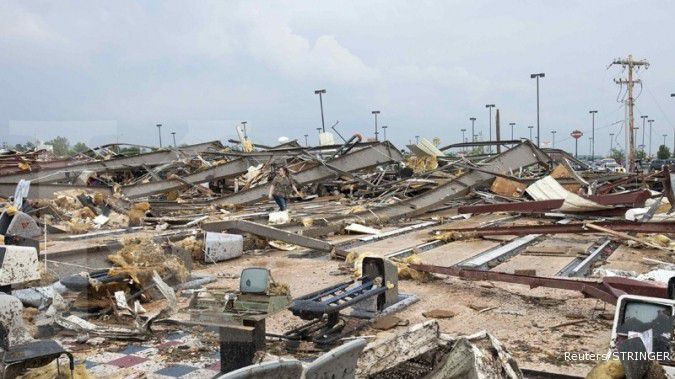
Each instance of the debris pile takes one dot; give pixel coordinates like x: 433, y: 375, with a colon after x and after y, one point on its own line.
x: 427, y: 258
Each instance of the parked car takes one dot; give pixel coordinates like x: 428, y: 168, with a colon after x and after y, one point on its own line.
x: 657, y: 165
x: 608, y: 165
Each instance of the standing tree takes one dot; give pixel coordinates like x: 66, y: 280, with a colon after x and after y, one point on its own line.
x: 61, y: 146
x: 80, y: 147
x: 663, y: 153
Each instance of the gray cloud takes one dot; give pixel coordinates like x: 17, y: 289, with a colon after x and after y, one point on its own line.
x: 428, y: 66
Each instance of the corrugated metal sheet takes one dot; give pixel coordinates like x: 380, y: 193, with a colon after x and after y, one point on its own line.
x: 549, y: 189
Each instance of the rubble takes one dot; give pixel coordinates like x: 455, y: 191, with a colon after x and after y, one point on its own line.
x: 130, y: 248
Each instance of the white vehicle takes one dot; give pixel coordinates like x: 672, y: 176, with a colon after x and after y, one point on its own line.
x: 609, y: 165
x: 651, y: 320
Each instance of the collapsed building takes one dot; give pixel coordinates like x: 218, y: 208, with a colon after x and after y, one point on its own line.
x: 174, y: 263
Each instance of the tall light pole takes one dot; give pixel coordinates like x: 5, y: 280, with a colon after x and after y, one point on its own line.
x: 159, y: 132
x: 590, y: 142
x: 537, y: 76
x: 321, y: 92
x: 530, y: 127
x: 384, y: 131
x: 417, y: 139
x: 611, y: 143
x: 644, y: 118
x: 489, y: 107
x: 243, y: 123
x: 635, y: 135
x: 306, y: 142
x: 664, y: 139
x: 593, y: 134
x: 173, y: 134
x: 473, y: 134
x: 318, y: 131
x: 553, y: 132
x: 463, y: 130
x: 512, y: 124
x: 376, y: 132
x: 650, y: 136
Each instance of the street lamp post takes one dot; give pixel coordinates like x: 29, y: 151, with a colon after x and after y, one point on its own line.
x: 530, y: 127
x: 384, y: 131
x: 306, y: 142
x: 644, y: 119
x: 593, y: 134
x: 243, y: 123
x: 417, y: 139
x: 590, y: 142
x: 321, y: 92
x: 463, y: 130
x: 537, y: 76
x: 611, y: 143
x: 473, y: 134
x: 173, y: 134
x: 489, y: 107
x: 650, y: 136
x: 553, y: 132
x: 318, y: 131
x: 376, y: 132
x: 512, y: 125
x: 664, y: 139
x: 159, y: 132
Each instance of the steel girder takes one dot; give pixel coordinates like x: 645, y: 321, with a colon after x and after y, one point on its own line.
x: 46, y: 191
x: 361, y: 159
x: 268, y: 232
x: 607, y: 289
x: 226, y: 170
x: 523, y: 155
x: 148, y: 159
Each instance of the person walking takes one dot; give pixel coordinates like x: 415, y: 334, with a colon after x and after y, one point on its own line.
x: 283, y: 186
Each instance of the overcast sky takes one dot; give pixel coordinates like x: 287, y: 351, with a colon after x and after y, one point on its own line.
x: 102, y: 71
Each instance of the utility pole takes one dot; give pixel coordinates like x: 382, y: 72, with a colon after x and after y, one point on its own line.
x: 632, y: 65
x: 384, y: 131
x: 593, y: 134
x: 490, y: 106
x: 530, y: 127
x: 306, y: 142
x: 644, y: 118
x: 537, y: 76
x: 376, y: 132
x: 321, y: 92
x: 159, y: 132
x: 473, y: 134
x: 512, y: 125
x: 173, y: 134
x: 635, y: 136
x: 650, y: 136
x: 553, y: 132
